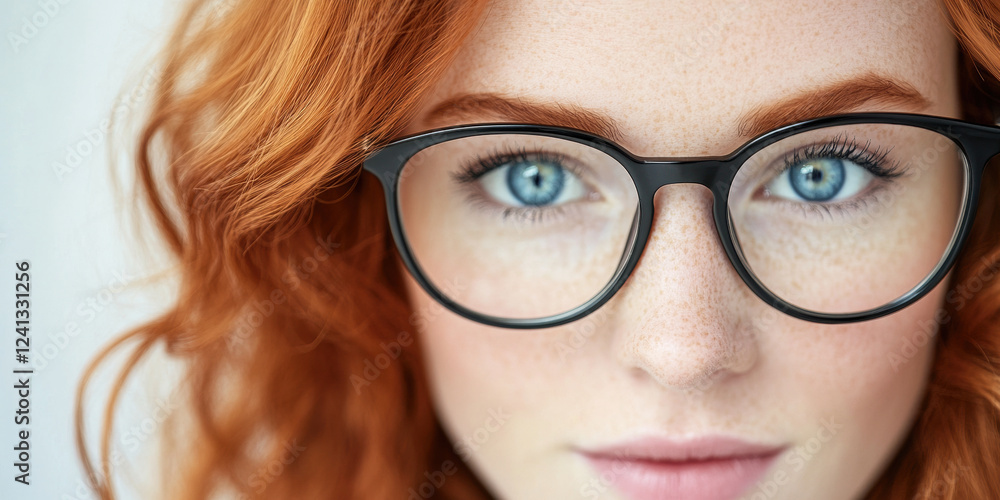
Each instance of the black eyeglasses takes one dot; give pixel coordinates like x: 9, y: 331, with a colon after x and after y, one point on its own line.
x: 833, y: 220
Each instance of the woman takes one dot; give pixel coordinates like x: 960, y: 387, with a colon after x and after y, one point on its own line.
x: 777, y: 321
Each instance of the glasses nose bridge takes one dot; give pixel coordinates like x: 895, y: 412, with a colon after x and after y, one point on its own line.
x: 652, y: 174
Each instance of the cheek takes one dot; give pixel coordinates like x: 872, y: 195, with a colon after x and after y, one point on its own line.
x: 507, y: 397
x: 866, y: 380
x: 474, y: 367
x: 865, y: 364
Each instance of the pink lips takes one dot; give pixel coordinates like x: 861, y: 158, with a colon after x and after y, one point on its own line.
x: 709, y: 468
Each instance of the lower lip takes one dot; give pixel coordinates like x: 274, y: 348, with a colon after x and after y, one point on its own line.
x: 716, y: 479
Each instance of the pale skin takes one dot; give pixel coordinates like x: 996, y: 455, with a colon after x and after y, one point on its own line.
x: 684, y: 348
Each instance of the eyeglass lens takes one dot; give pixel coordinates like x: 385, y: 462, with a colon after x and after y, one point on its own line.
x: 840, y: 219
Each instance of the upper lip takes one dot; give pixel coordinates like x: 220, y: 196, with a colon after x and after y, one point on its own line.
x: 686, y: 450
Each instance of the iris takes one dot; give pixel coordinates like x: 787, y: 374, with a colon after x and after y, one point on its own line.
x: 535, y: 183
x: 820, y: 179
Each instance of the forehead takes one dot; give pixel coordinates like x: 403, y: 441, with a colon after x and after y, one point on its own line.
x: 678, y: 75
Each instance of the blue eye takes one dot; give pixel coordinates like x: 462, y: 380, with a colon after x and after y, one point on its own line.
x: 819, y: 179
x: 535, y: 183
x: 527, y: 180
x: 830, y: 172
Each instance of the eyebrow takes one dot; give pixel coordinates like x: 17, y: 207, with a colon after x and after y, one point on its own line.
x: 835, y: 98
x: 523, y: 110
x: 839, y: 97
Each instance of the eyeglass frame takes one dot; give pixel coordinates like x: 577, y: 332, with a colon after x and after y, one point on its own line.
x: 978, y: 143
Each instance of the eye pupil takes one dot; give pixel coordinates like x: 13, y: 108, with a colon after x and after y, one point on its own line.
x: 533, y: 174
x: 534, y: 183
x: 815, y: 176
x: 819, y: 179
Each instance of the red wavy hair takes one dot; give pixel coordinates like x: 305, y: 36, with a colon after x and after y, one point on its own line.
x: 249, y: 163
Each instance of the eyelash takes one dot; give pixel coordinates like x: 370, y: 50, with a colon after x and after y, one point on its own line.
x: 472, y: 170
x: 845, y: 149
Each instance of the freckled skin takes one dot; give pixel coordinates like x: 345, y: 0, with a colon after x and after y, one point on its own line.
x: 685, y: 349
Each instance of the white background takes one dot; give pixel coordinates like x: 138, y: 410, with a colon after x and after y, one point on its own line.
x: 65, y: 65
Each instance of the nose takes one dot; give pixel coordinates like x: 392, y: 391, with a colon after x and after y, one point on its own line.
x: 684, y: 312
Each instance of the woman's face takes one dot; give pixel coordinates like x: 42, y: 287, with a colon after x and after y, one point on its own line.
x: 696, y: 385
